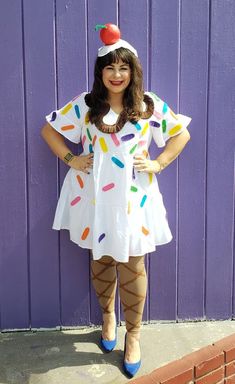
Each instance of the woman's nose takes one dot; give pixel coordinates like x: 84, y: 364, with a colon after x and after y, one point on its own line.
x: 117, y: 73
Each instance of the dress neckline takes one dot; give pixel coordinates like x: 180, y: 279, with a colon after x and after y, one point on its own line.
x: 122, y: 118
x: 115, y: 113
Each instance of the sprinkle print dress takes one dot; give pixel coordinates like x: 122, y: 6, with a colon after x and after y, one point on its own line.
x: 114, y: 210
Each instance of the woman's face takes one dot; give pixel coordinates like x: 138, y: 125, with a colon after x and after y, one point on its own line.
x: 116, y: 77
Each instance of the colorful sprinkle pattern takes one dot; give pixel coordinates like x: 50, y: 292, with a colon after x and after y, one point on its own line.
x: 67, y: 127
x: 114, y: 154
x: 66, y: 109
x: 80, y: 181
x: 117, y: 162
x: 108, y: 187
x: 144, y: 198
x: 85, y: 233
x: 77, y: 111
x: 101, y: 237
x: 103, y: 144
x: 75, y: 201
x: 128, y: 137
x: 53, y: 116
x: 115, y: 139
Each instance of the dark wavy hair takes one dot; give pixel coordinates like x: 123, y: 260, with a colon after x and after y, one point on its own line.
x: 133, y: 95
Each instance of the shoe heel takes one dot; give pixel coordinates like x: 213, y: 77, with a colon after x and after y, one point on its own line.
x: 130, y: 368
x: 108, y: 345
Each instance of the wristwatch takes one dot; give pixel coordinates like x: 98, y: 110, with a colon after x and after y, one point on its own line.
x: 68, y: 157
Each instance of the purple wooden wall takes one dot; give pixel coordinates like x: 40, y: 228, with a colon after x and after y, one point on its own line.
x: 187, y: 51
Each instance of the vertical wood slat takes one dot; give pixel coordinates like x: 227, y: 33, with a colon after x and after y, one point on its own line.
x: 99, y: 12
x: 164, y: 82
x: 102, y: 12
x: 42, y: 175
x: 14, y: 293
x: 220, y: 177
x: 133, y: 25
x: 72, y: 80
x: 192, y: 165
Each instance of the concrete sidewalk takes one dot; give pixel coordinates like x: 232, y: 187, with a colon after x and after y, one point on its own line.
x: 73, y: 356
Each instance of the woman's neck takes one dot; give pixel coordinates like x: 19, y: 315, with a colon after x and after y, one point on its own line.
x: 116, y: 102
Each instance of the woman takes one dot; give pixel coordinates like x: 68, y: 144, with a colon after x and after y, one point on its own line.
x: 110, y: 201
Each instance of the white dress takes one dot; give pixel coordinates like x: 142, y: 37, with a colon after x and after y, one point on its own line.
x: 114, y: 210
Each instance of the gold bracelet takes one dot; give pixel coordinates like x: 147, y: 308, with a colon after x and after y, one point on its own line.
x: 68, y: 157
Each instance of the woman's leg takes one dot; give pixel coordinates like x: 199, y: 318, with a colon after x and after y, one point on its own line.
x: 104, y: 279
x: 132, y: 290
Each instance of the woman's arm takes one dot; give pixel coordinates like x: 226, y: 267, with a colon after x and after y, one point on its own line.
x: 173, y: 148
x: 57, y: 144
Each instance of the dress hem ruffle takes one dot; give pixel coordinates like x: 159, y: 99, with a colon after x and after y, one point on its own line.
x: 150, y: 250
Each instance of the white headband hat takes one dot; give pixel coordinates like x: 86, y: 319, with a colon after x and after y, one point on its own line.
x: 102, y: 51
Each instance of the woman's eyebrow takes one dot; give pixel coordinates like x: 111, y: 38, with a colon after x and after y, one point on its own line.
x: 113, y: 65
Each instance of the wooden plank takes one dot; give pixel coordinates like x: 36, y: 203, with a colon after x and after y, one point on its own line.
x: 192, y: 165
x: 99, y: 12
x: 72, y: 80
x: 42, y: 166
x: 134, y: 25
x: 134, y: 22
x: 220, y: 203
x: 164, y: 81
x: 14, y: 294
x: 75, y: 302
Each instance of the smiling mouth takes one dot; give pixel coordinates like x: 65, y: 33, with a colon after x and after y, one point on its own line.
x: 116, y: 82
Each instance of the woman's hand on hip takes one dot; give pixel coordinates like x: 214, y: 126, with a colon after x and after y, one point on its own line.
x: 82, y: 163
x: 141, y: 164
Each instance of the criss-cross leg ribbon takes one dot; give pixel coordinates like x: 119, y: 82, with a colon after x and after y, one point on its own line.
x: 132, y: 290
x: 104, y: 279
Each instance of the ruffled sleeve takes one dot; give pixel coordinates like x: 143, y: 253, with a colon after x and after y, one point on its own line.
x: 68, y: 120
x: 164, y: 122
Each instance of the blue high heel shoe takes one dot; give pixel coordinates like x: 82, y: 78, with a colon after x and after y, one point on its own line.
x: 130, y: 368
x: 108, y: 345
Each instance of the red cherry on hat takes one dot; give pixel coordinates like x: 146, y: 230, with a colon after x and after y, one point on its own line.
x: 109, y: 34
